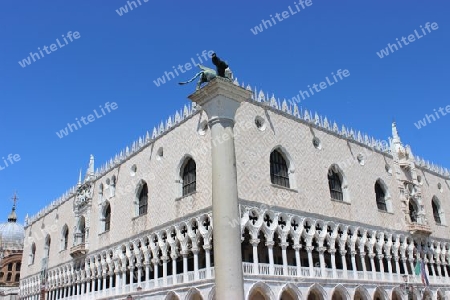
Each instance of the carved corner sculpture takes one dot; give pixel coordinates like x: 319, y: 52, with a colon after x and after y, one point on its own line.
x: 206, y: 74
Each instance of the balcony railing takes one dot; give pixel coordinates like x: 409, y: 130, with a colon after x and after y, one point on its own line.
x: 261, y: 271
x: 419, y: 228
x: 78, y: 250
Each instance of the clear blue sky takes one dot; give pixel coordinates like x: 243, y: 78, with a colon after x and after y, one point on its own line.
x: 117, y: 58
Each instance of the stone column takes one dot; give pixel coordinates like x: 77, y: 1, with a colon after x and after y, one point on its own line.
x: 411, y: 263
x: 321, y: 251
x: 333, y: 261
x: 185, y: 265
x: 439, y: 271
x: 117, y: 272
x: 309, y: 249
x: 208, y: 260
x: 353, y: 259
x: 284, y: 256
x: 155, y: 270
x: 372, y: 266
x: 255, y: 243
x: 139, y: 273
x: 405, y: 266
x: 132, y: 267
x: 425, y: 262
x: 220, y: 99
x: 362, y: 256
x: 147, y: 271
x: 111, y: 278
x: 298, y: 261
x: 124, y: 277
x: 389, y: 262
x: 397, y: 264
x: 344, y: 262
x: 445, y: 270
x: 380, y: 261
x: 174, y: 268
x: 195, y: 251
x: 165, y: 259
x: 269, y: 245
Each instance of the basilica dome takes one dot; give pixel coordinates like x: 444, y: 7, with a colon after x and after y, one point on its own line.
x: 11, y: 233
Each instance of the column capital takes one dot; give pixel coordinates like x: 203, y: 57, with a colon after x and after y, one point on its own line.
x: 155, y: 261
x: 297, y: 247
x: 342, y: 252
x: 284, y: 245
x: 254, y: 242
x: 371, y: 255
x: 309, y: 249
x: 270, y: 244
x: 362, y: 254
x: 321, y: 250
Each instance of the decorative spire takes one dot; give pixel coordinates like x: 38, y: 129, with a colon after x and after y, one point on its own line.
x: 90, y: 171
x: 12, y: 218
x: 396, y: 137
x: 79, y: 179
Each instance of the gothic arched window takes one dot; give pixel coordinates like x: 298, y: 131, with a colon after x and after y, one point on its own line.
x: 335, y: 185
x: 413, y: 211
x: 108, y: 218
x: 436, y: 210
x: 380, y: 195
x: 279, y: 174
x: 189, y: 176
x: 143, y: 200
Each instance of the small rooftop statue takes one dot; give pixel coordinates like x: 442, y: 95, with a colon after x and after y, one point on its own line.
x: 206, y: 74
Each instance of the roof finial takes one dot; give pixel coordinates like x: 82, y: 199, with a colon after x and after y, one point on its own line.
x: 12, y: 216
x: 14, y: 199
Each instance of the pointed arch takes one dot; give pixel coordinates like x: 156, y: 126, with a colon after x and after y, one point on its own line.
x: 337, y: 184
x: 291, y: 290
x: 186, y: 176
x: 316, y: 292
x: 382, y: 196
x: 32, y: 254
x: 141, y: 198
x: 80, y: 234
x: 282, y: 168
x: 438, y: 213
x: 212, y: 294
x: 172, y: 296
x: 260, y: 291
x: 64, y: 237
x: 194, y: 294
x: 48, y: 241
x: 427, y: 294
x: 380, y: 294
x: 413, y: 210
x: 341, y: 291
x: 361, y: 293
x: 440, y: 294
x: 105, y: 217
x: 396, y: 293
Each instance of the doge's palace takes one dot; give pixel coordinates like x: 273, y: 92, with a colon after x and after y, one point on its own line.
x: 241, y: 193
